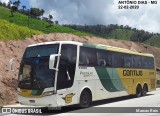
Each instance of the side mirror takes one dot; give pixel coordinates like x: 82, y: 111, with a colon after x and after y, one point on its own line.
x: 11, y: 62
x: 10, y: 66
x: 52, y: 61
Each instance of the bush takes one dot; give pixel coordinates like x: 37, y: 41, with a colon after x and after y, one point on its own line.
x: 10, y: 31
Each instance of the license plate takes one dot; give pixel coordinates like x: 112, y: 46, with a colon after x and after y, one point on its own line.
x: 32, y: 101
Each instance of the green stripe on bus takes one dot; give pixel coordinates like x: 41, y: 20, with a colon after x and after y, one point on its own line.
x: 101, y: 47
x: 116, y: 80
x: 106, y: 79
x: 94, y: 46
x: 110, y: 79
x: 89, y: 45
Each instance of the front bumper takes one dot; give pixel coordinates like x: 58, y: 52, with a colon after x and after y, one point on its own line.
x: 47, y: 101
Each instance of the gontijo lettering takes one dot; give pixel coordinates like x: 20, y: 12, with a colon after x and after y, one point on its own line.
x: 132, y: 73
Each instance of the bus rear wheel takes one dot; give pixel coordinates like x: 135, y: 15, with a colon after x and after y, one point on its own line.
x: 85, y: 99
x: 139, y: 91
x: 145, y: 89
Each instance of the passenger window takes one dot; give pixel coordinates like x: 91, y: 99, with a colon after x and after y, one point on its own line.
x: 131, y: 61
x: 148, y: 62
x: 118, y: 59
x: 87, y: 57
x: 104, y: 58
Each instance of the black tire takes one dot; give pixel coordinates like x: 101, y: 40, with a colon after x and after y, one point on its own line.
x: 85, y: 99
x: 139, y: 91
x: 144, y: 90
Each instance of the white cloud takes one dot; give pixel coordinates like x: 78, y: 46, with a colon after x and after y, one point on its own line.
x: 146, y: 17
x: 6, y: 1
x: 77, y: 11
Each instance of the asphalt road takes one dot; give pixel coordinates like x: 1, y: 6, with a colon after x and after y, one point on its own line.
x: 144, y: 106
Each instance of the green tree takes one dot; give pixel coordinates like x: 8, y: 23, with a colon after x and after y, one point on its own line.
x: 13, y: 9
x: 42, y: 12
x: 15, y: 6
x: 9, y: 4
x: 50, y: 19
x: 4, y: 4
x: 17, y: 3
x: 1, y: 3
x: 23, y: 7
x: 36, y: 12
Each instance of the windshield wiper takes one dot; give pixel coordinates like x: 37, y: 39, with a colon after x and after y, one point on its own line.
x: 35, y: 79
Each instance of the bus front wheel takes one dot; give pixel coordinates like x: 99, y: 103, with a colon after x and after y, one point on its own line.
x: 85, y: 98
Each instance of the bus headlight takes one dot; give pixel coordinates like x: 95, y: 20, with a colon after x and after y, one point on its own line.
x: 48, y: 93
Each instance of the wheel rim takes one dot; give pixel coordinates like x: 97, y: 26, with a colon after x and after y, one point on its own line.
x: 144, y: 90
x: 85, y: 99
x: 139, y: 92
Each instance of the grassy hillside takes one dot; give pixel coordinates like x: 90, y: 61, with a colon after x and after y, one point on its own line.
x: 154, y: 41
x: 10, y: 31
x: 123, y: 34
x: 22, y: 20
x: 120, y: 32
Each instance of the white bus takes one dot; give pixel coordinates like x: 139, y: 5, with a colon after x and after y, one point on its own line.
x: 61, y: 73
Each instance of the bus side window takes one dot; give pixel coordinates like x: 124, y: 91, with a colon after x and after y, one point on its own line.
x: 101, y: 62
x: 87, y: 57
x: 150, y: 62
x: 144, y: 62
x: 127, y: 62
x: 83, y: 59
x: 117, y: 59
x: 104, y: 58
x: 137, y: 62
x: 134, y: 62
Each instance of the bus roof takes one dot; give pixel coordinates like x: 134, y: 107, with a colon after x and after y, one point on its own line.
x: 112, y: 48
x: 98, y: 46
x: 57, y: 42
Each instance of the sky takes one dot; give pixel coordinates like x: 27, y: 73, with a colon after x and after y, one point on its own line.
x: 93, y: 12
x: 23, y: 2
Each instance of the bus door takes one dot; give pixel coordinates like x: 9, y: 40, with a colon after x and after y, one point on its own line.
x: 66, y: 74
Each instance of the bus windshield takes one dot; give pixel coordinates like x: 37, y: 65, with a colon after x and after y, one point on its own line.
x: 41, y: 51
x: 34, y: 69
